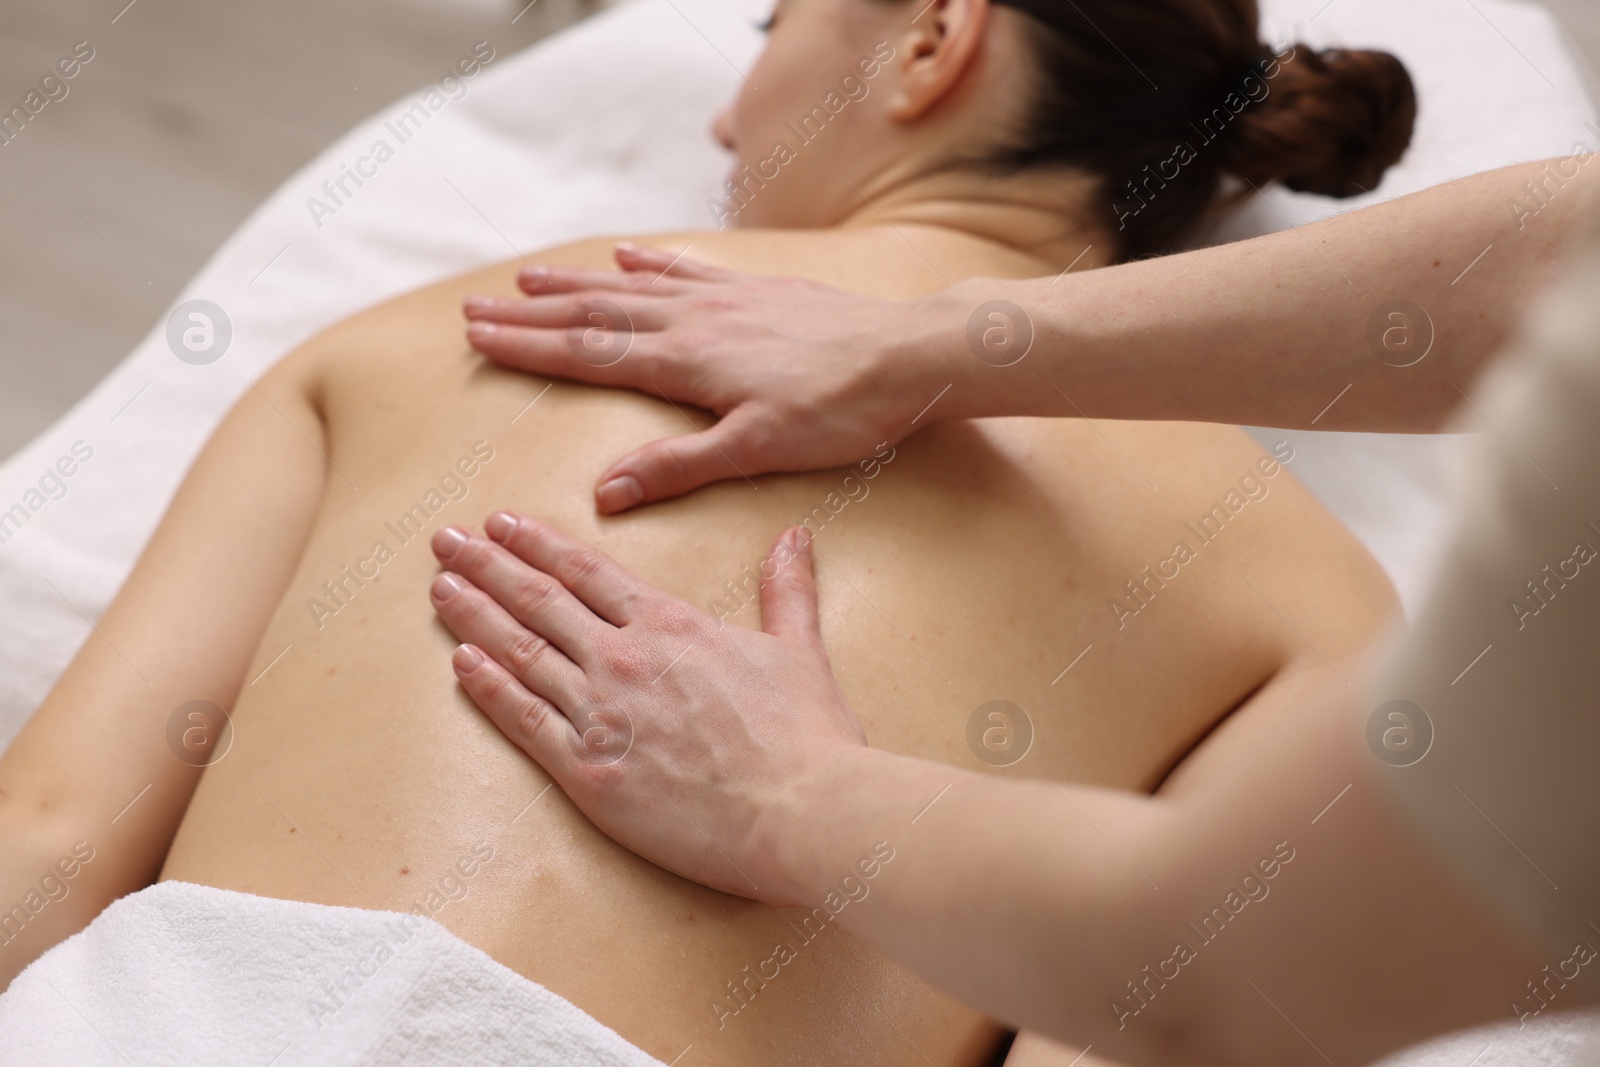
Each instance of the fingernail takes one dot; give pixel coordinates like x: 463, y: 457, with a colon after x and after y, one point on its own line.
x: 448, y: 541
x: 446, y: 586
x: 500, y: 525
x: 477, y: 303
x: 619, y: 494
x: 628, y: 246
x: 479, y: 329
x: 467, y: 659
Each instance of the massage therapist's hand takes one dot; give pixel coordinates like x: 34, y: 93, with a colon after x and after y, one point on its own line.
x: 804, y: 377
x: 672, y: 734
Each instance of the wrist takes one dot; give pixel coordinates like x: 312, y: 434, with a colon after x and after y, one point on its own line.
x: 990, y: 341
x: 809, y: 829
x: 847, y: 805
x: 910, y: 365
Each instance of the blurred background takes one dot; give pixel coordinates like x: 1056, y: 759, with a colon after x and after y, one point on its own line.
x: 188, y: 115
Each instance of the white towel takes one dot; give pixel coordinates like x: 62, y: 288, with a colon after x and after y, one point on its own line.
x: 187, y: 974
x: 1553, y: 1040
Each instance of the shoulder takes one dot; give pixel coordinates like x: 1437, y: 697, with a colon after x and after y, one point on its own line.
x: 1256, y: 551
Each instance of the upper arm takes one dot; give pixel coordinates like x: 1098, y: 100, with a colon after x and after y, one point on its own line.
x: 96, y: 764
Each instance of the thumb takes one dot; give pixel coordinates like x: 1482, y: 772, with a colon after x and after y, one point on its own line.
x: 789, y: 599
x: 671, y: 467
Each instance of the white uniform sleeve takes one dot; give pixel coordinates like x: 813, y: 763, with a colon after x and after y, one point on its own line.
x: 1485, y: 717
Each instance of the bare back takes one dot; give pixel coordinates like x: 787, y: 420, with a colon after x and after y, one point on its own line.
x: 1125, y: 585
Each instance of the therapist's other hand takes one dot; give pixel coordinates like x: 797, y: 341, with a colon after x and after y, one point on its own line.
x: 674, y: 734
x: 803, y: 377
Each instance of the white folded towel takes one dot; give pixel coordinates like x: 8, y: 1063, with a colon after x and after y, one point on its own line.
x: 187, y: 974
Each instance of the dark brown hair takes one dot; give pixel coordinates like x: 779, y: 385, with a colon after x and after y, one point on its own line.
x: 1164, y: 98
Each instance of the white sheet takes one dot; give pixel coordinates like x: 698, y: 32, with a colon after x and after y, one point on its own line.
x: 602, y: 129
x: 187, y: 974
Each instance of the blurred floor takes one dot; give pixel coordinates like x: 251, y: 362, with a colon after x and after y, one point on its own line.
x: 188, y: 115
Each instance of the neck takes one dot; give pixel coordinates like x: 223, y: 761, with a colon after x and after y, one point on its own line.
x: 1041, y: 216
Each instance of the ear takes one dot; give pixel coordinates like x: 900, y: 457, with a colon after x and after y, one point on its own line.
x: 936, y: 52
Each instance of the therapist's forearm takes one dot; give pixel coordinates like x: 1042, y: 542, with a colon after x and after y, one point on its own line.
x: 1297, y: 329
x: 1042, y: 902
x: 977, y: 883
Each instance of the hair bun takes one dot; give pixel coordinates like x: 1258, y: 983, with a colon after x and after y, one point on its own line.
x: 1331, y: 124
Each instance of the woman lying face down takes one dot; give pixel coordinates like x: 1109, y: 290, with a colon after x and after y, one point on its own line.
x: 995, y: 561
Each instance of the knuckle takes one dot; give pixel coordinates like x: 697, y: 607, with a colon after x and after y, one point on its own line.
x: 693, y: 339
x: 531, y: 535
x: 626, y: 662
x: 470, y: 559
x: 603, y: 778
x: 495, y: 688
x: 631, y: 601
x: 501, y: 694
x: 498, y: 690
x: 524, y: 651
x: 530, y: 717
x: 585, y: 565
x: 718, y: 301
x: 675, y: 619
x: 529, y: 594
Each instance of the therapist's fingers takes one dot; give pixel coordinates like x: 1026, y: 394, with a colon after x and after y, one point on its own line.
x: 474, y: 617
x: 644, y: 270
x: 641, y: 266
x: 531, y: 722
x: 632, y: 257
x: 640, y: 313
x: 633, y: 363
x: 789, y: 598
x: 673, y: 466
x: 554, y: 281
x: 600, y: 582
x: 535, y: 599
